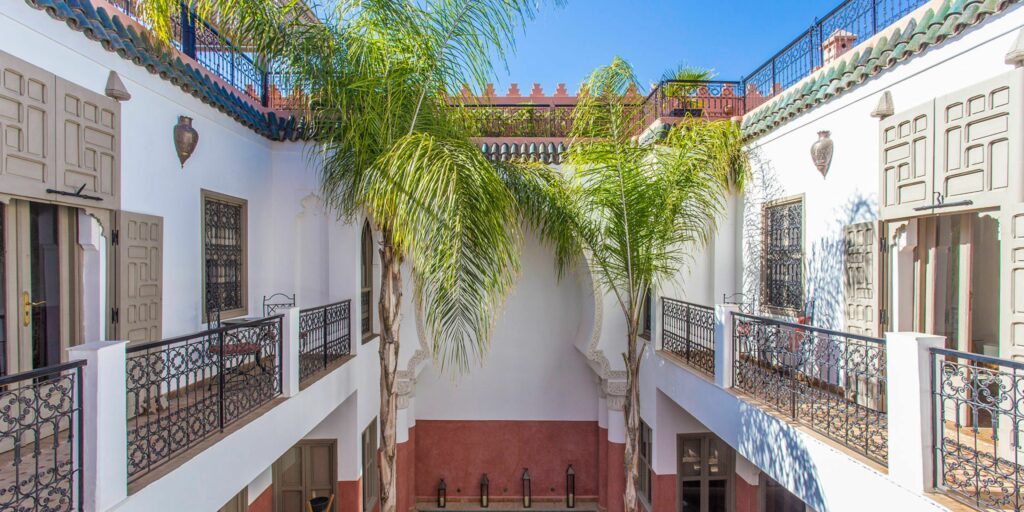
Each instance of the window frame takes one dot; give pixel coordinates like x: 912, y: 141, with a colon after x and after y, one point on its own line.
x: 371, y: 472
x: 705, y: 477
x: 646, y: 319
x: 766, y: 250
x: 366, y: 323
x: 646, y: 450
x: 206, y: 195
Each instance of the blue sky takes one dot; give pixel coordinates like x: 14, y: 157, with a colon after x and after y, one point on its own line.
x: 732, y: 37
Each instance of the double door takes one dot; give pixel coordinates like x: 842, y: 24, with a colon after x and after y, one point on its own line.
x: 307, y: 470
x: 39, y: 278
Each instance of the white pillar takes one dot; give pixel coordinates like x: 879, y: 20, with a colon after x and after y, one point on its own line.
x: 911, y: 443
x: 94, y: 276
x: 290, y: 352
x: 723, y: 344
x: 105, y: 423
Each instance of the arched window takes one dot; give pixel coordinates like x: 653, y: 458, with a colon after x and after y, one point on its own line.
x: 366, y: 281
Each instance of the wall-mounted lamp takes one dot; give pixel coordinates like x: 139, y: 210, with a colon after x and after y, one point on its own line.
x: 442, y: 495
x: 527, y: 498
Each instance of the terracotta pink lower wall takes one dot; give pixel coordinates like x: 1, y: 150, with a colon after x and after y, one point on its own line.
x: 264, y: 502
x: 602, y: 464
x: 616, y: 477
x: 746, y: 495
x: 406, y: 453
x: 350, y: 496
x: 462, y: 451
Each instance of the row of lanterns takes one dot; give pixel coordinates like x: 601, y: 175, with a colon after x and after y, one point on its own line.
x: 485, y: 491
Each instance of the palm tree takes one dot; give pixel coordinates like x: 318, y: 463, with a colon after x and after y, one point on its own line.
x: 680, y: 83
x: 375, y: 75
x: 640, y: 210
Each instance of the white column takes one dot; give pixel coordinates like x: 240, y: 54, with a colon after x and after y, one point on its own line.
x: 290, y: 352
x: 723, y: 344
x: 105, y: 423
x: 911, y: 443
x: 94, y: 276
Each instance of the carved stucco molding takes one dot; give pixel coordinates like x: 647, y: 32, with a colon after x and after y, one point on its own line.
x: 613, y: 382
x: 406, y: 379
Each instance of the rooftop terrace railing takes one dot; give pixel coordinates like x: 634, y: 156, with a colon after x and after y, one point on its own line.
x: 860, y: 19
x: 184, y: 390
x: 833, y: 382
x: 979, y: 418
x: 40, y: 439
x: 325, y: 335
x: 200, y: 40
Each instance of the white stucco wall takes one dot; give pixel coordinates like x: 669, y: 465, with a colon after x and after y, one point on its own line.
x: 533, y: 370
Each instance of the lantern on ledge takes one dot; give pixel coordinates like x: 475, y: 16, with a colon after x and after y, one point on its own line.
x: 527, y: 498
x: 570, y: 487
x: 442, y: 494
x: 485, y: 488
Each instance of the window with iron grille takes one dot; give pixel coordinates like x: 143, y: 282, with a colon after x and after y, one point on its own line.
x: 782, y: 287
x: 645, y: 316
x: 366, y: 282
x: 371, y: 475
x: 224, y: 255
x: 645, y: 462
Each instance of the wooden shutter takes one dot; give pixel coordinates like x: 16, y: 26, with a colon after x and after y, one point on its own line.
x: 860, y: 269
x: 26, y: 127
x: 58, y: 142
x: 138, y: 242
x: 88, y: 146
x: 906, y: 161
x: 1012, y: 272
x: 973, y: 153
x: 320, y: 458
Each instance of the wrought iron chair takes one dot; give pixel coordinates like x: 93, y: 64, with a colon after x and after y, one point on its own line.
x: 273, y: 304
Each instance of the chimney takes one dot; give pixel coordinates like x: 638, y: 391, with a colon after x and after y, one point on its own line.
x: 836, y: 45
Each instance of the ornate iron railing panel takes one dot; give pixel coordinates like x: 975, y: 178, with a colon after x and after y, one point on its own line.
x: 712, y: 100
x: 40, y: 439
x: 832, y: 382
x: 979, y: 418
x: 186, y: 389
x: 325, y: 335
x: 688, y: 331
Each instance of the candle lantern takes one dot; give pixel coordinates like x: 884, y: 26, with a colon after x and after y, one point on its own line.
x: 485, y: 488
x: 527, y: 498
x: 442, y: 494
x: 570, y: 487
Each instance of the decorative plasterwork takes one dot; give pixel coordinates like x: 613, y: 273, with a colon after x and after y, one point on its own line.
x: 912, y: 35
x: 613, y: 382
x: 406, y: 379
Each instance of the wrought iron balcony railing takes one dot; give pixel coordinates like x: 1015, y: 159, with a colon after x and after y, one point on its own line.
x: 184, y: 390
x: 688, y: 331
x: 325, y: 335
x: 830, y: 381
x: 40, y: 439
x: 979, y: 417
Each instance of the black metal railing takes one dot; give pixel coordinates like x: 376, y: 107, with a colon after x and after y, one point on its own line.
x: 688, y: 331
x: 40, y: 439
x: 979, y: 422
x: 832, y: 382
x: 519, y: 120
x: 186, y: 389
x: 325, y: 335
x: 200, y: 40
x: 859, y: 20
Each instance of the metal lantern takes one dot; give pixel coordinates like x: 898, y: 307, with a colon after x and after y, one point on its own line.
x: 485, y: 487
x: 527, y: 498
x: 185, y: 138
x: 442, y: 494
x: 570, y: 487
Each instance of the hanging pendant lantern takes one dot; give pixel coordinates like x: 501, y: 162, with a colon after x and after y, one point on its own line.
x: 821, y: 152
x: 185, y: 138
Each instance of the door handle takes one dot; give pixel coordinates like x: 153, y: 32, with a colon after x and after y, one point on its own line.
x: 27, y: 306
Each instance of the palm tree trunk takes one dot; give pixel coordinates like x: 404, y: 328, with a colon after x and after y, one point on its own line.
x: 389, y: 308
x: 631, y: 414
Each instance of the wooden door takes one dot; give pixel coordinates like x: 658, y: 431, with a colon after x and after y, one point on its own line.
x: 307, y: 470
x: 861, y: 275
